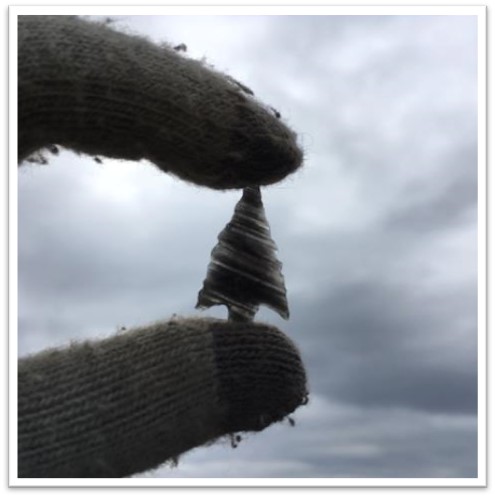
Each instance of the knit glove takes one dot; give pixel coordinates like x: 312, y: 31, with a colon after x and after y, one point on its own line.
x: 128, y: 403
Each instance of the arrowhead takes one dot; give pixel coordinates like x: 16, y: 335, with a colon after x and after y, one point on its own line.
x: 244, y: 271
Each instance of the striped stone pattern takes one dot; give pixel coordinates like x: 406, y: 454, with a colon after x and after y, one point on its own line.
x: 244, y: 271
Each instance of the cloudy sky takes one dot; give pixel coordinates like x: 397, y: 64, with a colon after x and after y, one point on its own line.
x: 377, y: 234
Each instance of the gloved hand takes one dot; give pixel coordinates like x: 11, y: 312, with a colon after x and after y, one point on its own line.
x: 128, y: 403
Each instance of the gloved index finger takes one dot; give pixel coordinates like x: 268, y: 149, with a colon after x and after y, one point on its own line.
x: 99, y: 91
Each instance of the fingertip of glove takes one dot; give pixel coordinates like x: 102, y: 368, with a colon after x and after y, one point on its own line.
x: 263, y: 151
x: 261, y: 376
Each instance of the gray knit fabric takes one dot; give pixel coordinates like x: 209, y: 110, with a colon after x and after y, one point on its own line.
x: 87, y: 87
x: 115, y: 407
x: 105, y: 408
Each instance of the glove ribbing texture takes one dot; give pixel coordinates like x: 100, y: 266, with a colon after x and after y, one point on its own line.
x: 261, y: 375
x: 90, y: 88
x: 126, y: 404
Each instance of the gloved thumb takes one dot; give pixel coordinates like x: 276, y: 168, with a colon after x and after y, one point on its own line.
x: 126, y: 404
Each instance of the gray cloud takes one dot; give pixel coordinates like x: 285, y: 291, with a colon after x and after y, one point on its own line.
x: 454, y: 201
x: 374, y: 345
x: 337, y: 440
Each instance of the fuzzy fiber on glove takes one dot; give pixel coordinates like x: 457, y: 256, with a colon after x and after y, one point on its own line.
x: 128, y: 403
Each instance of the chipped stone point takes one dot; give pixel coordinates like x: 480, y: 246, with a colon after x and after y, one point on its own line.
x: 244, y: 272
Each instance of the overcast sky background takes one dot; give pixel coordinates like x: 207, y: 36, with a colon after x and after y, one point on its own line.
x: 377, y: 234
